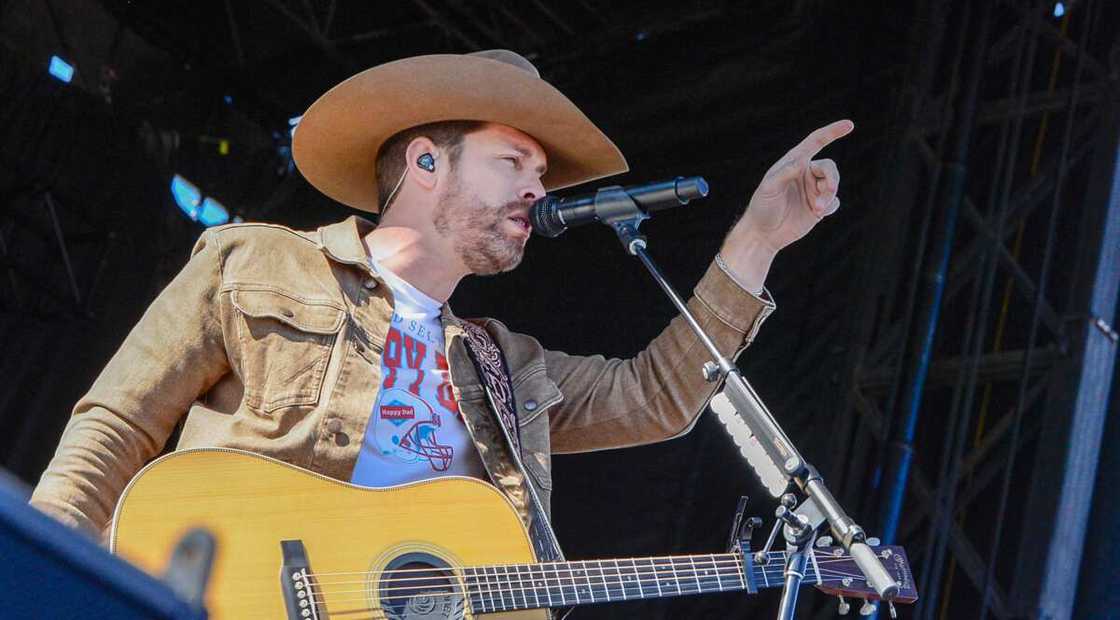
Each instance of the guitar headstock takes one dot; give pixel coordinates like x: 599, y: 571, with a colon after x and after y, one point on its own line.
x: 841, y: 576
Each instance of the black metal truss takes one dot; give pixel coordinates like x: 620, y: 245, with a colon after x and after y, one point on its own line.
x: 1034, y: 138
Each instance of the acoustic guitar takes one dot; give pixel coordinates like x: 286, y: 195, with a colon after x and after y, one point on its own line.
x: 295, y: 544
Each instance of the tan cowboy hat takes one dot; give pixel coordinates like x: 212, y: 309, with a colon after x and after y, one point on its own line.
x: 336, y: 142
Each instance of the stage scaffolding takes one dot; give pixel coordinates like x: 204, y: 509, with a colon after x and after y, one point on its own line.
x: 983, y: 352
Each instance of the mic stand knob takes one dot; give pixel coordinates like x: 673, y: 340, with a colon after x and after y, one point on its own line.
x: 797, y: 524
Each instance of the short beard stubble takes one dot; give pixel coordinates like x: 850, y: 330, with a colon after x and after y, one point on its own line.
x: 476, y: 230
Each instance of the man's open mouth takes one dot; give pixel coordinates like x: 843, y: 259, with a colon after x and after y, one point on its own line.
x: 522, y: 221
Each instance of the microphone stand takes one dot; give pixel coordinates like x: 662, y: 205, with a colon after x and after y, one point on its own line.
x: 615, y: 208
x: 799, y: 542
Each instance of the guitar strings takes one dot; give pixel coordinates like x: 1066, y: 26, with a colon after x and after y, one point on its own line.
x: 613, y: 591
x: 486, y: 572
x: 724, y: 557
x: 484, y: 596
x: 483, y: 600
x: 482, y: 574
x: 477, y: 599
x: 606, y: 587
x: 678, y: 573
x: 511, y: 600
x: 684, y: 559
x: 524, y: 582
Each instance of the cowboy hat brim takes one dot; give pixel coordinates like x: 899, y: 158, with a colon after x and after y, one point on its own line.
x: 336, y: 142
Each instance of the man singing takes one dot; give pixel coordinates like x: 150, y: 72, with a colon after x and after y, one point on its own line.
x: 335, y: 350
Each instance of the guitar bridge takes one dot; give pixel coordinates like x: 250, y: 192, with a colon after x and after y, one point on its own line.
x: 296, y: 582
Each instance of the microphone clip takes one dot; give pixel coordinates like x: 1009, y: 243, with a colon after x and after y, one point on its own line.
x: 618, y: 209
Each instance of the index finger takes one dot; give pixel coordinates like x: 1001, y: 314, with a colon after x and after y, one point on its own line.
x: 822, y: 137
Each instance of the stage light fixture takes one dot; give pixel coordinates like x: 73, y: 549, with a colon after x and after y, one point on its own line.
x: 61, y: 69
x: 213, y: 213
x: 1059, y: 9
x: 187, y: 196
x: 208, y: 212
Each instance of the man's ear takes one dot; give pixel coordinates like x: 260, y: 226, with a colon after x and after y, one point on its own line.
x: 422, y: 162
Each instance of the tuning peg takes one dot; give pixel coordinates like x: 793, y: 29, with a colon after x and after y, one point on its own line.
x: 844, y: 607
x: 824, y: 541
x: 868, y: 608
x: 873, y: 542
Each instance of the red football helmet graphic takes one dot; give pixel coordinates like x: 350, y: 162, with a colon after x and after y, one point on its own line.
x: 420, y: 438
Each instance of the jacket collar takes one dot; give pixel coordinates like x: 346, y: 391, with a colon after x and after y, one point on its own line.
x: 342, y: 241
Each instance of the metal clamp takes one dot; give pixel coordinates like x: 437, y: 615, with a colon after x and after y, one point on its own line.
x: 1103, y: 325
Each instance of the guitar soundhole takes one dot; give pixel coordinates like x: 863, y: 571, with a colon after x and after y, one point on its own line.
x: 420, y: 586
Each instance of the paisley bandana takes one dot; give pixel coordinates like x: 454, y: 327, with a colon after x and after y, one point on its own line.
x: 492, y: 369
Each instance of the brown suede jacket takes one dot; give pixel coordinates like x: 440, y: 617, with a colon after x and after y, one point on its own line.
x: 269, y: 340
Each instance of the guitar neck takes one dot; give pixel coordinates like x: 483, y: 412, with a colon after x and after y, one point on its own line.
x: 565, y: 584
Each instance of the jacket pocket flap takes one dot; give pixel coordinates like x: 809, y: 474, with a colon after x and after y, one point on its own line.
x: 312, y: 317
x: 535, y: 393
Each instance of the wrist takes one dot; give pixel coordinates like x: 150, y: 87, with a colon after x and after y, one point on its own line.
x: 747, y: 261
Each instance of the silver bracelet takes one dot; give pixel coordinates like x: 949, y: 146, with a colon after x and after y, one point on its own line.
x: 761, y: 293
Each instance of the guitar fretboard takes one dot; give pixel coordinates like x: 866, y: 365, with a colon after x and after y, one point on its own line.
x: 564, y: 584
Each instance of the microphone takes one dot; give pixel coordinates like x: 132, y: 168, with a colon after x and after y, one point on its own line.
x: 551, y: 216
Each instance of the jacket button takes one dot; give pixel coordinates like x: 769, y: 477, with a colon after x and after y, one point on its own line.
x: 334, y: 425
x: 530, y: 405
x: 370, y: 283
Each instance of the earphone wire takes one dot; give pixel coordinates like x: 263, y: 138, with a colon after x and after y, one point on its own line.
x: 393, y: 194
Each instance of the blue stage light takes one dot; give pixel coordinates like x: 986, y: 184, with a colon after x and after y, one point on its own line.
x: 186, y: 195
x: 1059, y: 9
x: 61, y: 69
x: 213, y: 213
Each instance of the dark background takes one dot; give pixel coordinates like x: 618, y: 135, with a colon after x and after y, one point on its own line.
x: 713, y: 88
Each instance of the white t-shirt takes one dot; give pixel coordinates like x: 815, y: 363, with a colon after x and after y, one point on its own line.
x: 415, y: 431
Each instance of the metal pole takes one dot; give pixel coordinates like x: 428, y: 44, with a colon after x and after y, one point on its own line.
x: 1095, y: 359
x: 901, y: 449
x: 944, y: 508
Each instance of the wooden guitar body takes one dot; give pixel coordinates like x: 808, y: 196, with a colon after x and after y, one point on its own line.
x: 295, y: 544
x: 353, y: 536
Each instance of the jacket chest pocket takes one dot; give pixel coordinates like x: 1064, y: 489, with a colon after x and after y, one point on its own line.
x: 285, y: 345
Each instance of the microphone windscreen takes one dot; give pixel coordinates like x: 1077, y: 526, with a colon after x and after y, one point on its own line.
x: 545, y: 218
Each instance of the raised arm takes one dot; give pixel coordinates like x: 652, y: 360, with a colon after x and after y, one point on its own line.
x: 659, y: 393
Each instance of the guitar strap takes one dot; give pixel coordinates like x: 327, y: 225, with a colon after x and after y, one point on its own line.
x: 494, y: 372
